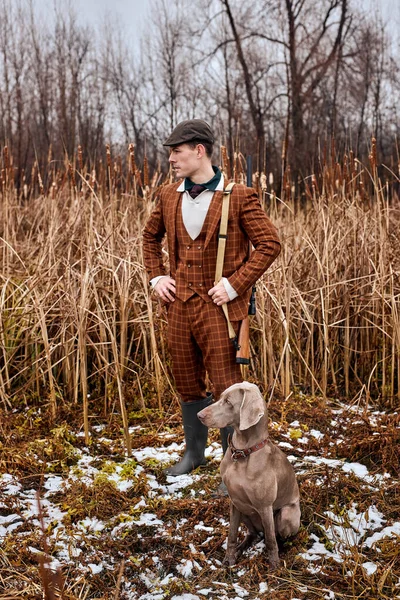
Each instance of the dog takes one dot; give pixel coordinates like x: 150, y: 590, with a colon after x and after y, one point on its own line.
x: 261, y: 482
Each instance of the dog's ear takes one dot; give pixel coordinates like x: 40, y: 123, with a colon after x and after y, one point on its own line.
x: 252, y: 407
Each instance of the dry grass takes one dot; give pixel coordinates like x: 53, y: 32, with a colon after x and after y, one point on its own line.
x: 83, y: 342
x: 76, y: 317
x: 138, y: 550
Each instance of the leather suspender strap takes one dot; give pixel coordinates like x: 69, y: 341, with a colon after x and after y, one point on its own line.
x: 222, y: 237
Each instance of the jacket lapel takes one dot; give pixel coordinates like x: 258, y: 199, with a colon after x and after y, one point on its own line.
x: 213, y: 216
x: 170, y: 223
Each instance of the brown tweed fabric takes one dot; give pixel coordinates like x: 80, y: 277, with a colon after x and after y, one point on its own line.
x: 247, y: 220
x: 198, y: 342
x: 189, y: 276
x: 197, y: 329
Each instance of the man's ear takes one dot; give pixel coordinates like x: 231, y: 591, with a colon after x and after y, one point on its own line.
x: 252, y: 407
x: 200, y: 150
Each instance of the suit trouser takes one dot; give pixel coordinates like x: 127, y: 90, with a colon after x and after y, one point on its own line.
x: 198, y: 341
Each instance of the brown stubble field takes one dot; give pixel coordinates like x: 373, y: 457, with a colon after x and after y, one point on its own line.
x: 85, y: 388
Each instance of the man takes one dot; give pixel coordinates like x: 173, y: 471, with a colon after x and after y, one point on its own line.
x: 188, y: 213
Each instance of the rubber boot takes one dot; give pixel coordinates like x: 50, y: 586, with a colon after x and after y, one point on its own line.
x: 225, y: 433
x: 195, y: 437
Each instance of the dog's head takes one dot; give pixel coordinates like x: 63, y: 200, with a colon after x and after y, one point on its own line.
x: 247, y: 397
x: 240, y: 405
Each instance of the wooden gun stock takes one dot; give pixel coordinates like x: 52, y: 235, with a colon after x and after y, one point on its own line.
x: 243, y: 353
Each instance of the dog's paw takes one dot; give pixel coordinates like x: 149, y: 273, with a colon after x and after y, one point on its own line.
x: 274, y: 564
x: 229, y: 560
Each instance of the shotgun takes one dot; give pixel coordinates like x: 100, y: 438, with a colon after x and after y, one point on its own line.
x: 249, y: 183
x: 243, y: 352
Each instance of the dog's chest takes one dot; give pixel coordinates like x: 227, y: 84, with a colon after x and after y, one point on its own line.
x: 249, y: 484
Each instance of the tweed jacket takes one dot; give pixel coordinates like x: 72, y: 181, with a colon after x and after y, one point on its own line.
x: 247, y: 221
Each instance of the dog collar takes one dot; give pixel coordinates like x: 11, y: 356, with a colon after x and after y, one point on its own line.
x: 238, y: 453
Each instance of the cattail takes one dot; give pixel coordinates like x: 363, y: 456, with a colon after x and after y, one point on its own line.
x: 236, y: 167
x: 138, y: 178
x: 373, y: 155
x: 339, y: 176
x: 333, y: 150
x: 284, y: 181
x: 324, y: 155
x: 33, y: 171
x: 284, y: 149
x: 263, y: 181
x: 226, y: 162
x: 314, y: 181
x: 53, y: 190
x: 288, y: 176
x: 362, y: 190
x: 6, y: 158
x: 345, y: 168
x: 40, y: 180
x: 132, y: 158
x: 351, y: 158
x: 71, y: 174
x: 80, y: 158
x: 108, y: 155
x: 145, y: 171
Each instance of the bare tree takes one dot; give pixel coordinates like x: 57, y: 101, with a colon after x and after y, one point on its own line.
x: 250, y: 69
x: 313, y: 41
x: 255, y: 111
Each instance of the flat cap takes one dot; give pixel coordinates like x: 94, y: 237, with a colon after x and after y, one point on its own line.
x: 187, y: 131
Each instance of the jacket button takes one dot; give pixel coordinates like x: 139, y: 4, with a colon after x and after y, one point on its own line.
x: 189, y: 265
x: 190, y: 284
x: 200, y: 284
x: 188, y: 247
x: 199, y: 247
x: 200, y: 266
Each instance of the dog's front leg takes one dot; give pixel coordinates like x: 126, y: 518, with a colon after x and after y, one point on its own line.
x: 230, y: 556
x: 267, y: 518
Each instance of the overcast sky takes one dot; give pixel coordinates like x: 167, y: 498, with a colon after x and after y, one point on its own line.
x: 132, y: 14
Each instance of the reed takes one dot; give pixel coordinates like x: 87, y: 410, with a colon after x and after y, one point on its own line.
x: 78, y: 322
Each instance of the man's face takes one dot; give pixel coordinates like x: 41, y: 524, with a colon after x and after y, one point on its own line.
x: 184, y: 160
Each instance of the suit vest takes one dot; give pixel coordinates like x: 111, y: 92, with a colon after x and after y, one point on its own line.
x: 189, y: 278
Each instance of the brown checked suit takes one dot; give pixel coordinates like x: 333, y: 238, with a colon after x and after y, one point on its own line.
x: 197, y: 330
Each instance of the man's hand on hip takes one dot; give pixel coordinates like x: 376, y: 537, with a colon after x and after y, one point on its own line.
x: 165, y: 288
x: 219, y: 294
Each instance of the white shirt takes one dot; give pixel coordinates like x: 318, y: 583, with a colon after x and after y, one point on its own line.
x: 194, y: 212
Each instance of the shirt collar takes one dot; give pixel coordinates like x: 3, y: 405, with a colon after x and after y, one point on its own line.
x: 216, y: 183
x: 209, y: 185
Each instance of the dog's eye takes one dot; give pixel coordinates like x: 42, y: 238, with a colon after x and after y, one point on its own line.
x: 228, y: 403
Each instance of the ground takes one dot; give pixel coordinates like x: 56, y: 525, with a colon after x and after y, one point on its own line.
x: 86, y: 521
